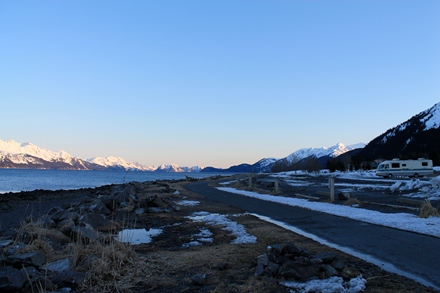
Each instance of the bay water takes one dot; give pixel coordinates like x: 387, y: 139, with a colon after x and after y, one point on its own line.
x: 16, y: 180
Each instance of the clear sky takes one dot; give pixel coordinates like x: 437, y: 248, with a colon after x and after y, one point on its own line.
x: 213, y: 83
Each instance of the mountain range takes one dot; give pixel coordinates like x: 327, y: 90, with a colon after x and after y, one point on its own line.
x: 29, y: 156
x: 417, y: 137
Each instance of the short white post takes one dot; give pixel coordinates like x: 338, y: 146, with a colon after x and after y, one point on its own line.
x: 331, y: 182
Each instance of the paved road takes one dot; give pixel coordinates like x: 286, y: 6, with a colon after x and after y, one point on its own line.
x: 410, y: 252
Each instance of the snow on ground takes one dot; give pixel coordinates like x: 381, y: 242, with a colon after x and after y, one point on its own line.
x: 404, y: 221
x: 330, y: 285
x: 236, y: 229
x: 188, y: 202
x: 413, y: 188
x: 137, y: 236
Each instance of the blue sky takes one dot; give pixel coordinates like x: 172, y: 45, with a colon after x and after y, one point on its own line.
x: 213, y: 83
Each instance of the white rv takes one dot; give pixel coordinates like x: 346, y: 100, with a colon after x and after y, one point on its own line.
x: 411, y: 168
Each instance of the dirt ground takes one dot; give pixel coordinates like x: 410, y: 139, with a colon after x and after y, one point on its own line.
x: 218, y: 266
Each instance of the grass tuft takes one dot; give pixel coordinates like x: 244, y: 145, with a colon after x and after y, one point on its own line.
x: 352, y: 202
x: 427, y: 210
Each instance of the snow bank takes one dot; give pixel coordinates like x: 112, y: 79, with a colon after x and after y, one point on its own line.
x: 403, y: 221
x: 330, y: 285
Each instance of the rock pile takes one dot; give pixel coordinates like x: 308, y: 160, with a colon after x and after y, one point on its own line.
x: 290, y: 262
x: 38, y: 255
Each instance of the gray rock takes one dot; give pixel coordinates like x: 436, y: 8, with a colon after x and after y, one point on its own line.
x: 97, y: 221
x: 292, y: 249
x: 275, y: 249
x: 111, y: 203
x: 288, y: 271
x: 58, y: 266
x: 198, y: 279
x: 71, y: 279
x: 139, y: 211
x: 69, y: 215
x: 326, y: 256
x: 308, y: 272
x: 329, y: 271
x: 338, y: 263
x: 46, y: 221
x: 259, y: 270
x: 85, y: 234
x: 30, y: 272
x: 15, y: 248
x: 263, y: 259
x: 36, y: 259
x: 349, y: 272
x: 272, y: 269
x: 100, y: 208
x: 10, y: 279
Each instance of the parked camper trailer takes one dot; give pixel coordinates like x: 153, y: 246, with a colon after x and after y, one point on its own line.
x: 411, y: 168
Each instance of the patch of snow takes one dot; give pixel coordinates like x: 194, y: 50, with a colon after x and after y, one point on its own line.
x: 330, y: 285
x: 431, y: 117
x: 236, y: 229
x: 137, y: 236
x: 228, y: 182
x: 192, y: 243
x: 395, y: 186
x: 188, y: 202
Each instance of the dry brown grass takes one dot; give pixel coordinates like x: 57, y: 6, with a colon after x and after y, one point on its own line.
x: 427, y: 210
x: 39, y: 239
x: 353, y: 201
x: 110, y: 266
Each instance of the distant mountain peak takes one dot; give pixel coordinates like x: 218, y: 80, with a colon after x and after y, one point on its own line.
x: 332, y: 151
x: 431, y: 117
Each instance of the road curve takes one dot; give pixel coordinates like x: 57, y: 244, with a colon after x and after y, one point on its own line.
x: 409, y: 252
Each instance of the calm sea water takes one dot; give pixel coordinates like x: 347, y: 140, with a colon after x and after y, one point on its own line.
x: 15, y: 180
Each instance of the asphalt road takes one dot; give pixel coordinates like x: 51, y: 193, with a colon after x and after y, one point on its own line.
x: 410, y: 252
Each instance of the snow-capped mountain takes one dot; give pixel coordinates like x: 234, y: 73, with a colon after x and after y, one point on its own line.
x: 176, y: 168
x: 296, y: 160
x: 118, y: 162
x: 331, y: 152
x: 417, y: 137
x: 12, y: 147
x: 29, y: 156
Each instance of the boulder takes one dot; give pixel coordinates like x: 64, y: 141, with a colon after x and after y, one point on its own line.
x: 35, y: 259
x: 71, y: 279
x: 289, y: 261
x: 11, y: 280
x: 291, y: 249
x: 58, y: 266
x: 97, y: 221
x: 325, y: 256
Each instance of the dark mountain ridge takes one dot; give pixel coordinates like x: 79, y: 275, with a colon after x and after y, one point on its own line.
x: 418, y: 137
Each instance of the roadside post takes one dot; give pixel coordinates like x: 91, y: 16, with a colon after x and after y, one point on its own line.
x: 331, y: 185
x: 276, y: 186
